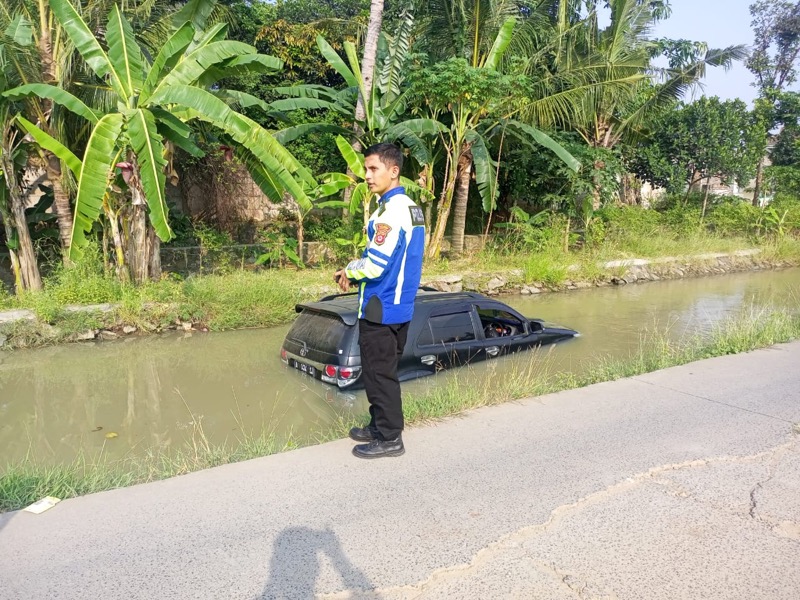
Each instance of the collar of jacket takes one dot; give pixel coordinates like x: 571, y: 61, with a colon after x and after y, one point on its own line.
x: 392, y: 192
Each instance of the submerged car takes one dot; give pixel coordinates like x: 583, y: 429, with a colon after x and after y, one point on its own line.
x: 448, y: 329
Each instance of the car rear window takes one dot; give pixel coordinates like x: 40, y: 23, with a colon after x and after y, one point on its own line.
x: 319, y: 331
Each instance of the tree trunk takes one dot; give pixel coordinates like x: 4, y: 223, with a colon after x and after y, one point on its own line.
x: 631, y: 190
x: 136, y: 250
x: 119, y: 247
x: 15, y: 267
x: 695, y: 178
x: 367, y: 73
x: 759, y: 183
x: 705, y: 198
x: 460, y: 201
x: 443, y: 210
x: 300, y: 235
x: 61, y: 205
x: 29, y: 277
x: 370, y: 53
x: 154, y: 248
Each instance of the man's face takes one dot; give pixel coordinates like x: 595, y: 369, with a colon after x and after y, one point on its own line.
x: 380, y: 178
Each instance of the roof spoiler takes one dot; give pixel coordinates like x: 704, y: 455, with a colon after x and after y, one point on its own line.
x: 423, y: 288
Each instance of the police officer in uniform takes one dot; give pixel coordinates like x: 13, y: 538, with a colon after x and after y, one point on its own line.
x: 388, y: 275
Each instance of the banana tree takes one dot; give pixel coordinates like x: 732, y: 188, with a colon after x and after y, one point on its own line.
x: 155, y: 99
x: 40, y: 52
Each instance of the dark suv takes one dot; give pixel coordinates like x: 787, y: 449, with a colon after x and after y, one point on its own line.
x: 448, y: 329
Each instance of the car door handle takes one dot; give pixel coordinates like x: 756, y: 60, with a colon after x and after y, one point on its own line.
x: 429, y: 359
x: 493, y: 351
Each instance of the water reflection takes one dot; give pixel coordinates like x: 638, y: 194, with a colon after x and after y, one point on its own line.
x: 158, y: 392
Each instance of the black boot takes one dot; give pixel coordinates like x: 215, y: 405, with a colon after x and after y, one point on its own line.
x: 364, y: 434
x: 380, y: 448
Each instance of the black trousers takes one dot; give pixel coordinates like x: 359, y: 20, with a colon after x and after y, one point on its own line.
x: 381, y: 347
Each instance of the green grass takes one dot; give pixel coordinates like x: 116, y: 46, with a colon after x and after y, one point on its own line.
x: 25, y: 482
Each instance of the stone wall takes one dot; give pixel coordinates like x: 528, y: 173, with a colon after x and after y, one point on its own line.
x: 617, y: 273
x: 225, y: 192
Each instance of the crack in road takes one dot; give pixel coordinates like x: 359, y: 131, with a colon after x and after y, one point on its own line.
x: 512, y: 543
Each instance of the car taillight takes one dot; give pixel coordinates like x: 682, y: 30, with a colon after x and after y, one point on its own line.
x: 348, y: 376
x: 284, y: 357
x: 330, y: 370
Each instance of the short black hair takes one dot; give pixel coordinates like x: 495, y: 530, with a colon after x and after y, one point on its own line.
x: 389, y: 154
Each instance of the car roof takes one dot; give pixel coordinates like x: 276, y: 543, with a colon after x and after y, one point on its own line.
x: 345, y: 306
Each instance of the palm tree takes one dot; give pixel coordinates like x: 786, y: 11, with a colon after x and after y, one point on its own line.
x: 597, y: 82
x: 154, y: 102
x: 370, y: 56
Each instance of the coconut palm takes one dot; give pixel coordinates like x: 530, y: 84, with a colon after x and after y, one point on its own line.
x: 154, y: 102
x: 591, y: 79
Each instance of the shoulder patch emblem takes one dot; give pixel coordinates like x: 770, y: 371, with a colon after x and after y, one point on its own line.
x: 381, y: 231
x: 417, y: 216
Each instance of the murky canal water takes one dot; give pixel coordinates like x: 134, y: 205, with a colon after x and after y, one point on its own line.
x: 56, y: 403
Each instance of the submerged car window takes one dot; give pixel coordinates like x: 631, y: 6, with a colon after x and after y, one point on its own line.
x: 319, y: 330
x: 446, y: 329
x: 502, y: 321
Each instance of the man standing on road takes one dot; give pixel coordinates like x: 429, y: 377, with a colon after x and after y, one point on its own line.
x: 388, y: 275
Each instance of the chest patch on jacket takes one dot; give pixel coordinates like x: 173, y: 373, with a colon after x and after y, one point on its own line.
x: 381, y: 231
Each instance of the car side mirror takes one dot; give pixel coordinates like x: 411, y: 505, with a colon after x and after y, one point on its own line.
x: 536, y: 327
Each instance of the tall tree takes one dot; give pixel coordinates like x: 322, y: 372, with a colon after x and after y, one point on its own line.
x: 776, y: 27
x: 705, y: 139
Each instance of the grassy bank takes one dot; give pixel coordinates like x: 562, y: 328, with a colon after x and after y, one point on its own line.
x: 25, y: 482
x: 236, y: 299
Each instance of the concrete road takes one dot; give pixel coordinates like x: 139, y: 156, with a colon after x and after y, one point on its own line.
x: 680, y: 484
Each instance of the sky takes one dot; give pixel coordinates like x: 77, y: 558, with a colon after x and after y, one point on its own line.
x: 720, y: 23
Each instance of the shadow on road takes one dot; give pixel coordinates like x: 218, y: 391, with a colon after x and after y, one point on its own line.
x: 295, y: 565
x: 5, y: 518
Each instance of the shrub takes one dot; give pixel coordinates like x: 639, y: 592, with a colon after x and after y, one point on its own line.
x: 630, y: 220
x: 85, y: 281
x: 791, y: 206
x: 733, y: 216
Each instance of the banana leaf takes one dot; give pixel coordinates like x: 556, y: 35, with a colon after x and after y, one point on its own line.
x: 20, y: 30
x: 124, y: 53
x: 484, y: 168
x: 501, y: 43
x: 102, y: 152
x: 166, y: 58
x: 53, y: 145
x: 86, y: 44
x: 277, y: 161
x: 196, y: 12
x: 355, y: 160
x: 57, y: 95
x: 336, y: 62
x: 146, y: 143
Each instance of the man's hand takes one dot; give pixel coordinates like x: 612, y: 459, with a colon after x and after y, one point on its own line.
x: 340, y: 277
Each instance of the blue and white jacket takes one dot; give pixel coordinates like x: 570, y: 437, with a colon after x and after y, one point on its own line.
x: 390, y: 269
